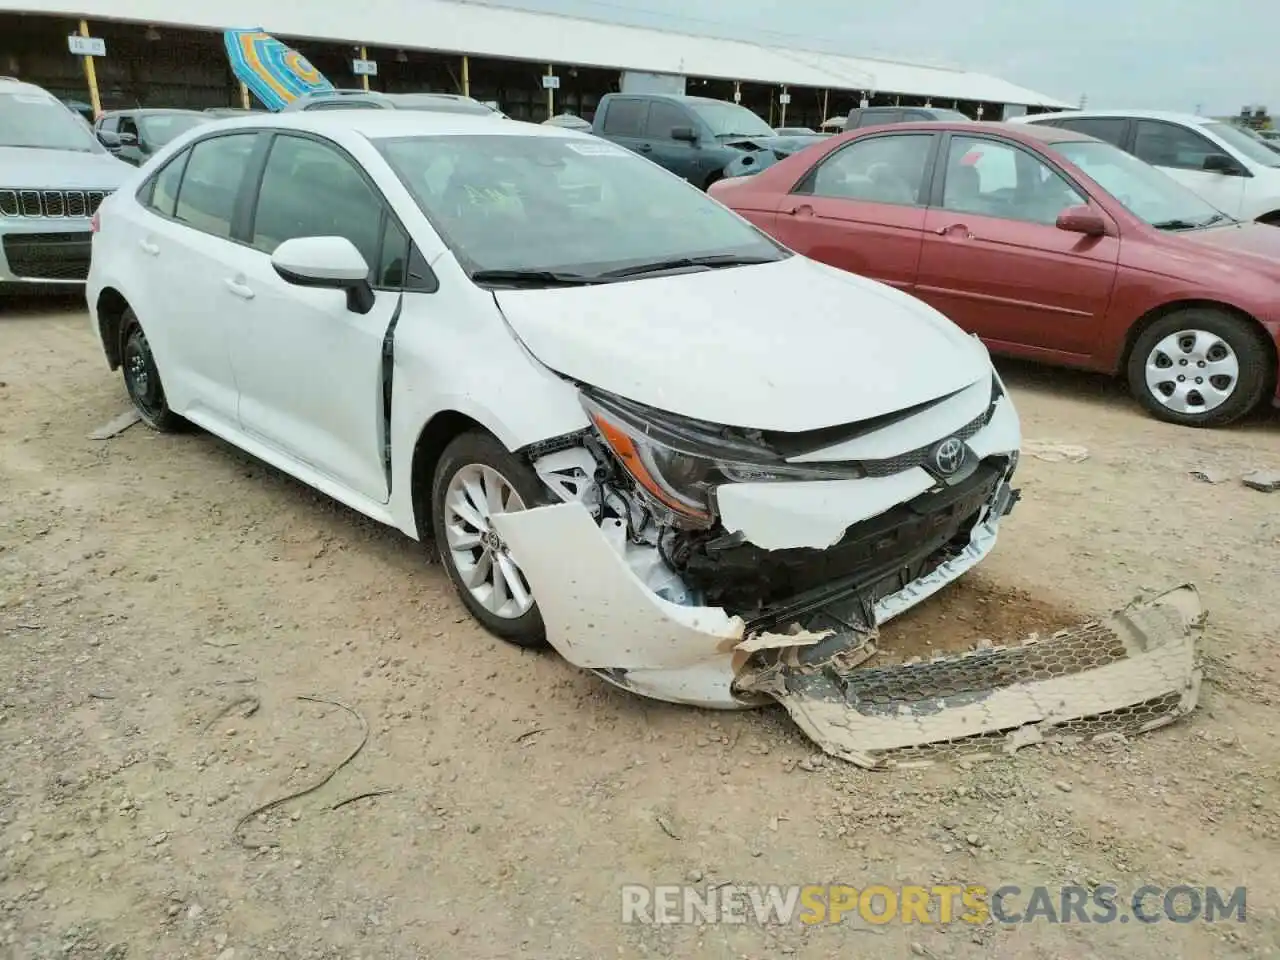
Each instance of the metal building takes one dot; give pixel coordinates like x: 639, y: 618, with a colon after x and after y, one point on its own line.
x: 160, y: 53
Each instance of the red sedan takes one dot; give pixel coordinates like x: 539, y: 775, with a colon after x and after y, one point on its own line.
x: 1049, y: 245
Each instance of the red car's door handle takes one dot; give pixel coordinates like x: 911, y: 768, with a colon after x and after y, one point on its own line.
x: 957, y: 230
x: 804, y: 210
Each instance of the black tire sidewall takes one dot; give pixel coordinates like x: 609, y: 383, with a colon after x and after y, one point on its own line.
x: 1244, y: 339
x: 483, y: 449
x: 164, y: 419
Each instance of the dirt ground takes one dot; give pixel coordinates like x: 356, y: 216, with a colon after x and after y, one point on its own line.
x: 154, y: 589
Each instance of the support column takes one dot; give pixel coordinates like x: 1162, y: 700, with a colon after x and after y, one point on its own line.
x: 737, y: 91
x: 244, y: 96
x: 364, y: 79
x: 782, y: 107
x: 824, y: 106
x: 551, y: 94
x: 91, y: 76
x: 466, y: 75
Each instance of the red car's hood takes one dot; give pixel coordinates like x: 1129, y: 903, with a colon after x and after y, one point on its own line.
x: 1254, y: 245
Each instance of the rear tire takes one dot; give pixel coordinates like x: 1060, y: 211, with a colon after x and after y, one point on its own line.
x: 142, y: 377
x: 1200, y: 367
x: 475, y: 478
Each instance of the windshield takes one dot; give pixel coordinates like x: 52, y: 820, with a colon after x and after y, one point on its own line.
x: 38, y: 120
x: 159, y: 128
x: 1143, y: 190
x: 730, y: 119
x: 569, y: 205
x: 947, y: 114
x: 1233, y: 136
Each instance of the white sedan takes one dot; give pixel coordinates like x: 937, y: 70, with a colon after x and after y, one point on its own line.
x: 634, y: 425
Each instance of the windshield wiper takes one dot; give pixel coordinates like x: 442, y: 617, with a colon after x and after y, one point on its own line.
x: 532, y: 278
x: 657, y: 266
x: 1176, y: 225
x: 1218, y: 218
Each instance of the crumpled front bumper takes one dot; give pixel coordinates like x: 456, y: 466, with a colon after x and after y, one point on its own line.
x: 601, y: 617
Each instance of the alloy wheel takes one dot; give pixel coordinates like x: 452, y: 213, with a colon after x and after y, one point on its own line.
x: 484, y: 564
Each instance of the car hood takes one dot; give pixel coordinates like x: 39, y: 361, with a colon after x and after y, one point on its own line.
x: 23, y: 167
x: 782, y: 146
x: 790, y: 346
x: 1253, y: 244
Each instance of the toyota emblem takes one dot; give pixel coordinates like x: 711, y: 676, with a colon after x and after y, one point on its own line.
x: 948, y: 456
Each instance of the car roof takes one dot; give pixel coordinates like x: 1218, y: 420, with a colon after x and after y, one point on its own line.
x: 1022, y: 132
x: 1188, y: 119
x: 151, y: 111
x: 14, y: 85
x: 386, y: 124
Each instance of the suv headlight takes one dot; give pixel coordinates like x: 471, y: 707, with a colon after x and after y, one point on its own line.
x: 678, y: 462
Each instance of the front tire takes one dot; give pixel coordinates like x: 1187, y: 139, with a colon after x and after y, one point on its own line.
x: 1199, y: 367
x: 476, y: 478
x: 142, y: 377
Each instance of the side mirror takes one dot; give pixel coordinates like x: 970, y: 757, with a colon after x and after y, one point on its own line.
x: 1221, y: 163
x: 127, y: 139
x: 109, y: 140
x: 687, y: 134
x: 1084, y: 220
x: 331, y: 263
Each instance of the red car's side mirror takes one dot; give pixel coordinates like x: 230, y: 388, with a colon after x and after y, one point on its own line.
x: 1082, y: 219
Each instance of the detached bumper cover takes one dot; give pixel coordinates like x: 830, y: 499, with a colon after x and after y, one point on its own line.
x: 1131, y: 673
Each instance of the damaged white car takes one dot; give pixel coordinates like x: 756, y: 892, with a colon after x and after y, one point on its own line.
x: 636, y: 427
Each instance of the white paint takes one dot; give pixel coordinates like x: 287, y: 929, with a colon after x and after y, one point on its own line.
x: 321, y: 258
x: 1245, y: 198
x: 550, y: 82
x: 600, y: 616
x: 923, y: 429
x: 793, y: 345
x: 364, y: 68
x: 485, y: 30
x: 87, y: 46
x: 784, y: 99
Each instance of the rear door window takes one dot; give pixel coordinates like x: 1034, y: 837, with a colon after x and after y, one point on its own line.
x: 888, y: 169
x: 1109, y: 129
x: 211, y: 183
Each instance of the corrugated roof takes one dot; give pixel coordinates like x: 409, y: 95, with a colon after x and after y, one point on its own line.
x: 494, y: 31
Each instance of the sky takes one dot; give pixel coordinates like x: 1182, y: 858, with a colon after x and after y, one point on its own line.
x: 1215, y: 55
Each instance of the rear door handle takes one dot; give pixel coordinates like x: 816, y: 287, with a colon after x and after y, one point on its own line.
x: 149, y: 248
x: 239, y: 289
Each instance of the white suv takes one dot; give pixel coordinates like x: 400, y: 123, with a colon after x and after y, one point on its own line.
x: 53, y: 175
x: 1229, y: 168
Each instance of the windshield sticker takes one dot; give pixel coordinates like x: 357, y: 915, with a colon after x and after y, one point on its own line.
x: 596, y: 149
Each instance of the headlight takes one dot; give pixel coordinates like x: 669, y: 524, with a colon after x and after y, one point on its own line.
x: 678, y: 463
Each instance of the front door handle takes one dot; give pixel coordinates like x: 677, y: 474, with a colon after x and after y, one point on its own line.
x: 149, y: 248
x: 803, y: 210
x: 239, y: 289
x: 958, y: 230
